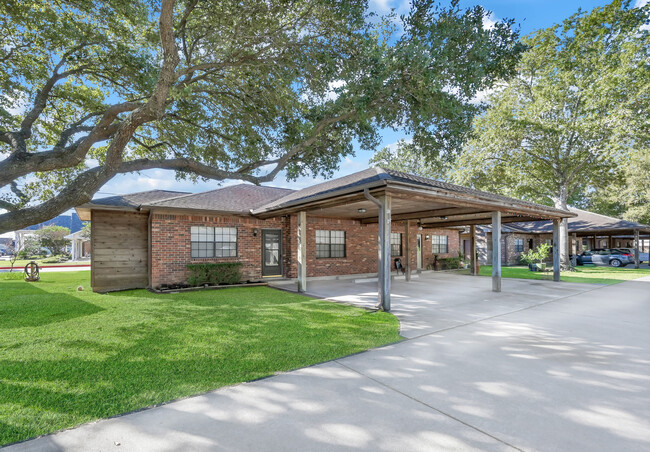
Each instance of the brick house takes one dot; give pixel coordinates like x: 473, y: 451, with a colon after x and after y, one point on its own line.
x: 354, y: 225
x: 587, y: 230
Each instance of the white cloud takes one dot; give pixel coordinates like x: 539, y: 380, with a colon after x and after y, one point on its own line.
x: 640, y: 3
x: 482, y: 96
x: 490, y: 20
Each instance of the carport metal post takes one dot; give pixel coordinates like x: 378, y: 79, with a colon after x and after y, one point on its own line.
x: 302, y: 251
x: 556, y: 250
x: 383, y: 252
x: 472, y: 249
x: 407, y: 250
x: 637, y: 256
x: 496, y: 251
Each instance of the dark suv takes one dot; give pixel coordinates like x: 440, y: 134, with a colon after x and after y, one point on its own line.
x: 605, y: 256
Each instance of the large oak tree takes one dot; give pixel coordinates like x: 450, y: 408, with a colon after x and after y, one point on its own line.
x: 223, y: 89
x: 566, y: 126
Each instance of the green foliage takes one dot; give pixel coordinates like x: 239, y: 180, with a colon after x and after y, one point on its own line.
x: 628, y: 196
x: 70, y: 357
x: 537, y: 255
x: 214, y: 273
x: 31, y: 246
x: 12, y: 276
x: 451, y: 263
x: 53, y: 238
x: 564, y: 126
x: 258, y: 85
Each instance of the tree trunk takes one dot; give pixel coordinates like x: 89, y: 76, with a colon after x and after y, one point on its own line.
x: 561, y: 203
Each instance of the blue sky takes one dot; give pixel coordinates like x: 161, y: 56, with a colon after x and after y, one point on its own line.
x: 531, y: 15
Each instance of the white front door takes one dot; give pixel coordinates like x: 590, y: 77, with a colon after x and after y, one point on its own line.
x: 419, y: 253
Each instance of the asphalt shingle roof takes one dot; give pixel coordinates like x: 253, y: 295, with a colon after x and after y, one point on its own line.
x: 585, y: 221
x: 136, y: 199
x: 240, y: 198
x: 377, y: 174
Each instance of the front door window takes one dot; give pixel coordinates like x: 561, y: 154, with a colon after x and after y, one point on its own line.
x: 272, y: 252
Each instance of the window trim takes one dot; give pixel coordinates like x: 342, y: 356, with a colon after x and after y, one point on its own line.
x: 519, y: 248
x: 214, y: 242
x: 392, y: 235
x: 439, y: 244
x: 329, y: 244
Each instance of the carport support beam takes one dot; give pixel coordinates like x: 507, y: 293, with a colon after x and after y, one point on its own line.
x: 407, y: 249
x: 302, y: 251
x: 556, y: 250
x: 473, y: 258
x: 637, y: 256
x: 496, y: 251
x: 384, y: 204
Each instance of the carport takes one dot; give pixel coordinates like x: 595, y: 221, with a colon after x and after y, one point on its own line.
x: 384, y: 196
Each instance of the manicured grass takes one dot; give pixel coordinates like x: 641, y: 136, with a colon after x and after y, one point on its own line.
x: 19, y: 265
x: 582, y: 274
x: 69, y: 357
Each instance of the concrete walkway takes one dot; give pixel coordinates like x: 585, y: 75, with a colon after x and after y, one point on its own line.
x: 543, y: 366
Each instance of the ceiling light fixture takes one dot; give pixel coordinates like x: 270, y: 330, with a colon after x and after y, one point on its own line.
x: 362, y: 210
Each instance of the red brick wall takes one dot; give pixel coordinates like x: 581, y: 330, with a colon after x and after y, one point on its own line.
x: 171, y: 248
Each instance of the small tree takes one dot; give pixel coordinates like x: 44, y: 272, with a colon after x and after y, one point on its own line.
x: 85, y: 230
x: 53, y: 238
x: 30, y: 246
x: 536, y: 255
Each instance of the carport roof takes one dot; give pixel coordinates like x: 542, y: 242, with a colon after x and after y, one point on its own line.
x: 585, y: 223
x: 439, y: 203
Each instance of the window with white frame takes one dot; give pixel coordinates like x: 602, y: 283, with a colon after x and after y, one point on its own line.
x: 439, y: 244
x: 209, y: 242
x: 395, y: 243
x: 330, y: 244
x: 519, y: 245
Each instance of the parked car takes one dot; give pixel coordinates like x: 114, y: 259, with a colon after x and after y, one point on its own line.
x: 605, y: 256
x: 643, y: 257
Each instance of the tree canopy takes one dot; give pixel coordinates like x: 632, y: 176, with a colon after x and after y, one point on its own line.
x: 224, y: 89
x: 565, y: 126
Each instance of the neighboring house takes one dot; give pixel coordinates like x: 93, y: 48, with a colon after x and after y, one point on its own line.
x: 80, y: 246
x: 71, y: 222
x: 587, y: 230
x: 330, y: 229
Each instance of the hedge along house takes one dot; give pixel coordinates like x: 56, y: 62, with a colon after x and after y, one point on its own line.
x: 351, y: 225
x: 587, y: 230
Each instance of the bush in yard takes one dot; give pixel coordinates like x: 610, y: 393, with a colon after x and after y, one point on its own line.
x: 213, y: 274
x: 536, y: 255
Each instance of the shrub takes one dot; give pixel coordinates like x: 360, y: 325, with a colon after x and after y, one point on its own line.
x: 219, y: 273
x: 451, y: 263
x: 537, y: 255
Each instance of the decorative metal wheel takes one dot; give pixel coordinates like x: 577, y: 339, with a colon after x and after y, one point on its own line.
x: 32, y: 272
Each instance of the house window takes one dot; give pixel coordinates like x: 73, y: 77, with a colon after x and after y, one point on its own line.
x: 439, y: 244
x: 330, y: 244
x: 395, y: 244
x: 213, y: 242
x: 519, y: 245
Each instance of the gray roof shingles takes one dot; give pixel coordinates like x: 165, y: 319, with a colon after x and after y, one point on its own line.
x: 585, y: 221
x: 240, y: 198
x: 136, y: 199
x: 377, y: 174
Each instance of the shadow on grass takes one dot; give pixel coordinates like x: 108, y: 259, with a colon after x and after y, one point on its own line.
x: 147, y: 349
x: 25, y: 305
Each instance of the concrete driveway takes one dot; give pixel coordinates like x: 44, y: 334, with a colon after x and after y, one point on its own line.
x: 542, y: 366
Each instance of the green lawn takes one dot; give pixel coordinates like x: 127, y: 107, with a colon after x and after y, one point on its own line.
x: 583, y: 274
x: 68, y: 357
x: 19, y: 265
